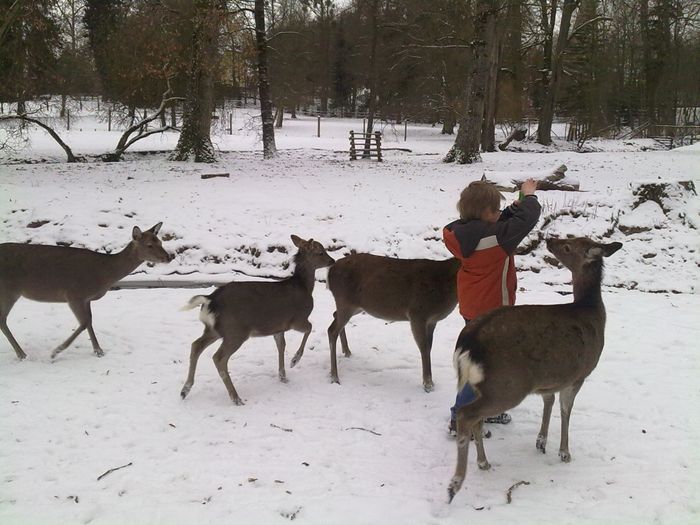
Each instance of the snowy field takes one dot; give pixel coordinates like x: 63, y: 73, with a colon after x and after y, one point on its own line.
x: 373, y: 449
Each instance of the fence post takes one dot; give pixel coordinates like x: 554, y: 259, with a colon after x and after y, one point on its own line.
x: 363, y: 125
x: 353, y: 152
x: 109, y: 119
x: 318, y: 132
x: 378, y: 138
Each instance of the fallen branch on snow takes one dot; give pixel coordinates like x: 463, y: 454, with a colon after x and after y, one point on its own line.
x: 113, y: 469
x: 365, y: 429
x: 509, y: 494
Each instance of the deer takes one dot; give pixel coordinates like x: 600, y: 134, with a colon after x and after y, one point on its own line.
x: 420, y: 291
x: 243, y: 309
x: 77, y: 276
x: 514, y: 351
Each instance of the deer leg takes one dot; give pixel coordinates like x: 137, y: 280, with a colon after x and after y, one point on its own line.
x: 344, y: 343
x: 478, y: 434
x: 198, y: 346
x: 83, y: 314
x: 466, y: 426
x: 544, y: 428
x: 305, y: 327
x: 93, y: 339
x: 566, y: 403
x: 221, y: 357
x: 340, y: 319
x: 281, y: 344
x: 423, y: 335
x: 6, y: 305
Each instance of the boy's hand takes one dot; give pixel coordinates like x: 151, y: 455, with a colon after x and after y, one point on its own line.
x: 528, y: 187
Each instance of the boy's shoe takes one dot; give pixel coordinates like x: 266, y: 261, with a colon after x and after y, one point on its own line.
x: 501, y: 419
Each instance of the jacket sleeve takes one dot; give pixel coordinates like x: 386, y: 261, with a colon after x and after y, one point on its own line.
x: 515, y: 228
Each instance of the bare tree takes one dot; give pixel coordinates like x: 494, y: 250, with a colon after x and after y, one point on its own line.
x: 268, y: 124
x: 466, y: 148
x: 195, y: 138
x: 546, y: 117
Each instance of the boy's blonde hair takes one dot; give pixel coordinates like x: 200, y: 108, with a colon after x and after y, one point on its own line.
x: 478, y: 197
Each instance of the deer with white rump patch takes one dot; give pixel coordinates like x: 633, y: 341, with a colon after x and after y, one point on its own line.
x: 420, y: 291
x: 240, y: 310
x: 514, y: 351
x: 58, y: 274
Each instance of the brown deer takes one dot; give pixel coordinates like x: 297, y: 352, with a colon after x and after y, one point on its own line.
x: 514, y: 351
x: 420, y: 291
x: 58, y: 274
x: 240, y: 310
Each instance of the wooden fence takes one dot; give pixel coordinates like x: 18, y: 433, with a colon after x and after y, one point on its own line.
x: 368, y: 144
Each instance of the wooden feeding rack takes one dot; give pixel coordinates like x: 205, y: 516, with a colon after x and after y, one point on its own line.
x: 367, y: 145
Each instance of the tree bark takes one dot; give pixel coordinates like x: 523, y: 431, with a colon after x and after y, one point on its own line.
x: 544, y: 130
x: 466, y: 149
x: 195, y: 137
x: 488, y: 130
x: 268, y: 127
x: 372, y: 106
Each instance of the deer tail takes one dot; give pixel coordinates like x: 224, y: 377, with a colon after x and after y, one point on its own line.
x: 468, y: 370
x: 206, y: 315
x: 195, y: 302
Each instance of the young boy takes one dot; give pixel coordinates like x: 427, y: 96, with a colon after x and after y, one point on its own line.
x: 485, y: 239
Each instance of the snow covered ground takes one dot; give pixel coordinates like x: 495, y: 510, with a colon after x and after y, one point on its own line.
x: 374, y: 449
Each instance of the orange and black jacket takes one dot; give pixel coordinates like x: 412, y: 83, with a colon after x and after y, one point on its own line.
x: 487, y: 279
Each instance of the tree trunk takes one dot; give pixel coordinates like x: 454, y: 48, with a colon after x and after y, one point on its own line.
x: 544, y: 130
x: 372, y: 106
x: 466, y: 147
x: 268, y: 128
x: 279, y: 116
x: 448, y: 124
x: 195, y: 137
x: 488, y: 130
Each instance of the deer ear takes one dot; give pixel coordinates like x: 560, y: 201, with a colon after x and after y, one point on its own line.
x: 298, y: 241
x: 609, y: 249
x: 136, y: 233
x: 156, y: 228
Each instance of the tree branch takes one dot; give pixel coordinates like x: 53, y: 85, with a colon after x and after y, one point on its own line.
x: 587, y: 23
x: 50, y: 131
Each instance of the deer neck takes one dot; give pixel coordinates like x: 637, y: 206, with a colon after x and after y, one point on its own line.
x: 123, y: 262
x: 587, y: 289
x: 304, y: 273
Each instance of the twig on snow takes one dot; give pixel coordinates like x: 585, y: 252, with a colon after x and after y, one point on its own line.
x: 281, y: 428
x: 509, y: 494
x: 113, y: 469
x: 365, y: 429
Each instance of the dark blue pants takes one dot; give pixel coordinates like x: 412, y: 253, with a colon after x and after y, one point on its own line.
x: 465, y: 396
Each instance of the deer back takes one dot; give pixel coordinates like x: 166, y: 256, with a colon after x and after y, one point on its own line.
x: 390, y: 288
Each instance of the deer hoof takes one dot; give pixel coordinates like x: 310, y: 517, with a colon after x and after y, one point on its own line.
x: 454, y: 487
x: 335, y: 380
x: 428, y: 386
x: 347, y: 353
x: 283, y: 379
x: 238, y: 401
x: 541, y: 444
x: 185, y: 390
x: 565, y: 456
x: 484, y: 465
x: 21, y: 356
x: 99, y: 352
